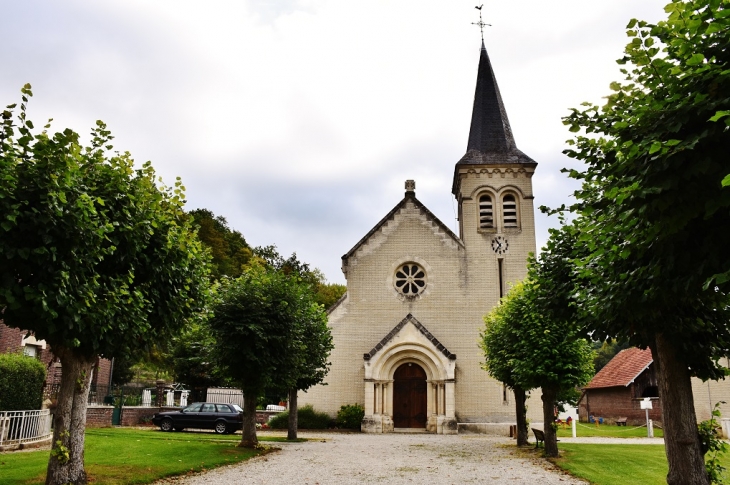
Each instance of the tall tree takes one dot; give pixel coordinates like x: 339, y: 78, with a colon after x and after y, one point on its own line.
x: 654, y: 217
x: 501, y: 343
x: 95, y: 258
x: 529, y: 347
x: 263, y: 325
x: 314, y: 347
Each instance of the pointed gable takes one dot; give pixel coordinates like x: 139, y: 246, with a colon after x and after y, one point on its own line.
x: 409, y: 201
x: 419, y: 326
x: 623, y: 369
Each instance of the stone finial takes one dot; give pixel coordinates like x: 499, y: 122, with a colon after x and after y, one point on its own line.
x: 410, y: 185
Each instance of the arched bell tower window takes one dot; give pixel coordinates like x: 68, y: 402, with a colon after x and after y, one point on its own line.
x: 486, y: 212
x: 509, y: 212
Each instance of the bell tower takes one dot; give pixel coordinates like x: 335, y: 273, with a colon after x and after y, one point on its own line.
x: 493, y: 187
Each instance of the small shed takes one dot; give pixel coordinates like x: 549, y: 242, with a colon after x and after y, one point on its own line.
x: 617, y: 390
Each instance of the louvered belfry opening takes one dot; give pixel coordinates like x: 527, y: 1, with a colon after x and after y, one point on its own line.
x: 509, y: 211
x: 486, y: 214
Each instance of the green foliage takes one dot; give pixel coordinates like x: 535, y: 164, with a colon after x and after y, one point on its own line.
x: 523, y: 346
x: 97, y: 257
x: 325, y: 294
x: 713, y: 446
x: 605, y: 351
x: 59, y: 451
x: 307, y: 418
x: 350, y: 416
x: 193, y: 357
x: 269, y: 333
x: 229, y: 250
x: 654, y: 218
x: 21, y: 382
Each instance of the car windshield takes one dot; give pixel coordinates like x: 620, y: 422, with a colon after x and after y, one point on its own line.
x: 193, y: 408
x: 237, y: 408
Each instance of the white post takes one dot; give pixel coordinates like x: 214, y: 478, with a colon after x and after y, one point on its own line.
x: 650, y: 427
x: 147, y: 398
x: 170, y: 398
x: 572, y: 422
x: 184, y: 398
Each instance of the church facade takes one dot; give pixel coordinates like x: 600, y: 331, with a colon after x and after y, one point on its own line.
x: 406, y: 332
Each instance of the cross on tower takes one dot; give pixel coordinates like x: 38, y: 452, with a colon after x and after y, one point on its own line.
x: 481, y: 24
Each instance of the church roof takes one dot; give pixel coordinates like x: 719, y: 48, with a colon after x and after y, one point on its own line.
x: 410, y: 196
x: 623, y: 369
x: 490, y: 136
x: 410, y: 318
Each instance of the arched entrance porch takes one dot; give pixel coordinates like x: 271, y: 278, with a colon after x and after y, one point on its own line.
x: 431, y: 372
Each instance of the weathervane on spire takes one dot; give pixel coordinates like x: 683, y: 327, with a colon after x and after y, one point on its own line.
x: 481, y: 24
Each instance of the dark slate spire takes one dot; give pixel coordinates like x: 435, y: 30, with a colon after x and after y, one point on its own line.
x: 490, y: 130
x: 490, y: 137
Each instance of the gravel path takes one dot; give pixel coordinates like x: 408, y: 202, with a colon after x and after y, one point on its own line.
x: 392, y: 458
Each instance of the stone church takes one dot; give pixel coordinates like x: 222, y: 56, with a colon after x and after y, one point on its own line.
x: 406, y: 332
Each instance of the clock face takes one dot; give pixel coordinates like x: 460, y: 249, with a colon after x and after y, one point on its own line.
x: 500, y: 244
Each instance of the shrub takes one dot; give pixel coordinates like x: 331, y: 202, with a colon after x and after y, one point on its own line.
x: 21, y: 382
x: 350, y: 416
x: 308, y: 419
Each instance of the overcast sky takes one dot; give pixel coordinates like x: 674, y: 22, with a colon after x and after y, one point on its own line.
x: 300, y: 120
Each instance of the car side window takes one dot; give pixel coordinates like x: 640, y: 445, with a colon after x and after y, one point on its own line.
x: 224, y: 408
x: 208, y: 408
x: 193, y: 408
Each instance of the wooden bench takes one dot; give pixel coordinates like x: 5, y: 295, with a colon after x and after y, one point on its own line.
x: 621, y: 421
x: 539, y: 437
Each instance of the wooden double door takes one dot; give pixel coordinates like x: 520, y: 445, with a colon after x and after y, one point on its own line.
x: 409, y: 396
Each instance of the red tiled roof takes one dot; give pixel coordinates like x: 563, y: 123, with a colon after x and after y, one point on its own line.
x: 622, y: 369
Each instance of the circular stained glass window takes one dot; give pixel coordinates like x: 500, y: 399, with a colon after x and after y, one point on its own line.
x: 410, y: 279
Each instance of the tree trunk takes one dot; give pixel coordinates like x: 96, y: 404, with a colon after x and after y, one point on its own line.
x: 248, y: 434
x: 521, y: 415
x: 66, y: 462
x: 549, y: 396
x: 293, y: 415
x: 681, y: 439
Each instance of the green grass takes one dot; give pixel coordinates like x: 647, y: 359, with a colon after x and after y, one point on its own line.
x: 121, y: 456
x: 607, y: 430
x: 617, y: 464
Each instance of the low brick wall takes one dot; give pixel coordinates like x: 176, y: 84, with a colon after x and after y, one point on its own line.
x: 137, y: 415
x: 263, y: 417
x: 99, y: 416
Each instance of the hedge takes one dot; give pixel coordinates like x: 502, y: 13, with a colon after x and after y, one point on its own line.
x: 21, y: 382
x: 307, y: 418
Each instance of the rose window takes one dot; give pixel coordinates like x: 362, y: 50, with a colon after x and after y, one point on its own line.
x: 410, y: 279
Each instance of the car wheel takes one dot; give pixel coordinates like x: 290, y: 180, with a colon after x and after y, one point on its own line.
x: 166, y: 424
x: 179, y: 428
x: 221, y: 427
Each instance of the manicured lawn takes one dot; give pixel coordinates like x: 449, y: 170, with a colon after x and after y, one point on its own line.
x: 120, y: 455
x: 611, y: 431
x: 617, y: 464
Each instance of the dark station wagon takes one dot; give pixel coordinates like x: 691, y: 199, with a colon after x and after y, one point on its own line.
x: 220, y: 417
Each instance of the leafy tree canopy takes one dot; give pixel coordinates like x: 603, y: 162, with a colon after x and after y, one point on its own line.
x: 654, y: 218
x: 95, y: 258
x: 229, y: 250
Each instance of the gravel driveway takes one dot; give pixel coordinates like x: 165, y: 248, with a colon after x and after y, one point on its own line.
x: 388, y: 458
